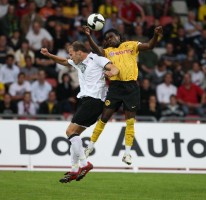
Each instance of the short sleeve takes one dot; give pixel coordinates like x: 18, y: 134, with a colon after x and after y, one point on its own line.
x: 101, y: 61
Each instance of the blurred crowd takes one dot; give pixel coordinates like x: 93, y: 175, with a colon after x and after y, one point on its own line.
x: 172, y: 80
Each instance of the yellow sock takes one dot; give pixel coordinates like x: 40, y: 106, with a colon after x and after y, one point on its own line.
x: 97, y: 130
x: 129, y: 132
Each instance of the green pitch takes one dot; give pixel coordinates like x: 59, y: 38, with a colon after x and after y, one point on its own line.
x: 102, y: 186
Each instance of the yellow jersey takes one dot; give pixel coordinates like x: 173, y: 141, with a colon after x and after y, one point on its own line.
x: 124, y: 58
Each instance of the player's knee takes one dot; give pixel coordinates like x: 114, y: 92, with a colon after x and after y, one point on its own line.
x: 130, y: 122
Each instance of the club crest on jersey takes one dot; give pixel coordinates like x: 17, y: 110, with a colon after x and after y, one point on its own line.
x: 111, y: 54
x: 107, y: 102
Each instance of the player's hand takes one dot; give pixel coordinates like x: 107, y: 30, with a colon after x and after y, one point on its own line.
x: 44, y: 51
x: 158, y: 31
x: 86, y: 30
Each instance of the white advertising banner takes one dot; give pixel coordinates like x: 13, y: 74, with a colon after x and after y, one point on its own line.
x: 158, y: 147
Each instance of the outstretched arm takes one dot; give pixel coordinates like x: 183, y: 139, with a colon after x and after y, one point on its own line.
x: 111, y: 70
x: 57, y: 59
x: 98, y: 50
x: 158, y: 32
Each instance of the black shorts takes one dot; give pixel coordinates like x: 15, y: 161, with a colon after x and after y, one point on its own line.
x: 123, y: 92
x: 88, y: 111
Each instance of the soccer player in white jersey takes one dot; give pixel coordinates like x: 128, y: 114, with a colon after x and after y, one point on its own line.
x: 91, y: 72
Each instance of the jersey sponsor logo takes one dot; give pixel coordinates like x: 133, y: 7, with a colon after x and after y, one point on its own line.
x: 120, y: 52
x: 107, y: 102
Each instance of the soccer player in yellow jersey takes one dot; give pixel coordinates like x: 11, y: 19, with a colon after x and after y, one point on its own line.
x: 123, y: 88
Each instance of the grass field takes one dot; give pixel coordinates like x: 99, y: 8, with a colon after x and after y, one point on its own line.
x: 102, y: 186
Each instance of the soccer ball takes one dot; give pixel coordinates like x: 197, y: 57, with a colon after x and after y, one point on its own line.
x: 95, y: 22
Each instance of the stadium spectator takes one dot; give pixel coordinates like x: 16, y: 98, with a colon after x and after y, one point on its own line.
x: 40, y: 89
x: 127, y: 12
x: 197, y: 75
x: 36, y: 35
x: 70, y: 9
x: 157, y: 76
x: 42, y: 3
x: 149, y: 32
x: 2, y: 90
x: 21, y: 54
x: 139, y: 21
x: 165, y: 90
x: 177, y: 74
x: 200, y: 44
x: 188, y: 95
x: 31, y: 72
x: 173, y: 109
x: 7, y: 106
x: 180, y: 44
x: 10, y: 22
x: 19, y: 87
x: 202, y: 12
x: 47, y: 10
x: 73, y: 73
x: 9, y: 71
x: 169, y: 58
x: 60, y: 37
x: 192, y: 27
x: 107, y: 9
x: 193, y: 5
x: 15, y: 40
x: 81, y: 20
x: 45, y: 63
x: 29, y: 18
x: 4, y: 49
x: 148, y: 60
x: 153, y: 109
x: 89, y: 4
x: 113, y: 22
x: 66, y: 95
x: 122, y: 30
x: 190, y: 58
x: 51, y: 106
x: 4, y: 5
x: 61, y: 52
x: 171, y: 29
x: 146, y: 91
x: 138, y: 34
x: 26, y: 106
x: 22, y: 8
x: 58, y: 17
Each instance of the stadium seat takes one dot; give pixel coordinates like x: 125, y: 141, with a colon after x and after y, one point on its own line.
x: 164, y: 20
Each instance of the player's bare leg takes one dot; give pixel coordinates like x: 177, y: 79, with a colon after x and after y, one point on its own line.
x: 80, y: 166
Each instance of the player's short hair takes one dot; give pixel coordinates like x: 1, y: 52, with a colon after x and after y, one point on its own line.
x: 79, y: 46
